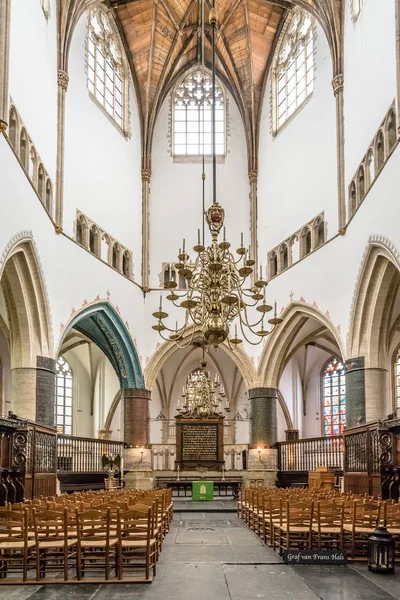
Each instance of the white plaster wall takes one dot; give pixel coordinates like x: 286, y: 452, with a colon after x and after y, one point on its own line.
x: 102, y: 167
x: 33, y: 75
x: 297, y: 167
x: 176, y: 193
x: 370, y: 76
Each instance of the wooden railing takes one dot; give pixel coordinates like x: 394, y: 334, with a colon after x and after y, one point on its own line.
x: 84, y: 455
x: 308, y: 454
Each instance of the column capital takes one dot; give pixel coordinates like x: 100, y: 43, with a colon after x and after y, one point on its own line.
x: 3, y: 127
x: 146, y: 174
x: 137, y: 393
x: 62, y: 79
x: 263, y: 392
x: 338, y: 84
x: 253, y: 175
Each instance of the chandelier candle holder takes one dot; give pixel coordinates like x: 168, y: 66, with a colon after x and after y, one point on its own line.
x: 202, y: 397
x: 218, y: 292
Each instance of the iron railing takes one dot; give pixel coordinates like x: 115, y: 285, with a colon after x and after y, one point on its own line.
x: 308, y: 454
x: 84, y: 455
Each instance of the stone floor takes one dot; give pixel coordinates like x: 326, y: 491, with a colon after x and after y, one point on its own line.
x: 213, y: 556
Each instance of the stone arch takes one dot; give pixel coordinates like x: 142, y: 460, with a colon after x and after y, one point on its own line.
x: 373, y: 300
x: 26, y: 301
x: 276, y: 352
x: 102, y: 324
x: 167, y: 349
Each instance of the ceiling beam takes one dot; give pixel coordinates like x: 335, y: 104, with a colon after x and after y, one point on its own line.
x: 171, y: 13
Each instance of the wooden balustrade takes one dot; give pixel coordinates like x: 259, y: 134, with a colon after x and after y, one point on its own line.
x: 84, y: 455
x: 308, y: 454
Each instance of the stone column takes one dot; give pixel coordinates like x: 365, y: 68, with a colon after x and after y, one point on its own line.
x: 4, y: 61
x: 137, y: 439
x: 338, y: 85
x: 253, y: 216
x: 355, y: 391
x: 62, y: 78
x: 146, y: 174
x: 367, y: 392
x: 263, y: 457
x: 33, y: 391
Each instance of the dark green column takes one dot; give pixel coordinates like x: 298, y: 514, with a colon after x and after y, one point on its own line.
x: 355, y: 391
x: 263, y: 419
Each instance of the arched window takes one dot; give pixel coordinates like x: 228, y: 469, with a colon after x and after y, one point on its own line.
x: 319, y: 232
x: 352, y: 199
x: 48, y: 196
x: 13, y: 128
x: 126, y: 264
x: 192, y: 100
x: 334, y: 397
x: 32, y: 164
x: 294, y: 66
x: 94, y: 239
x: 295, y: 249
x: 306, y: 242
x: 107, y: 80
x: 284, y: 257
x: 115, y: 256
x: 391, y: 130
x: 63, y: 403
x: 41, y: 182
x: 169, y: 274
x: 273, y: 264
x: 23, y: 149
x: 361, y: 184
x: 81, y: 228
x: 370, y: 167
x: 380, y: 151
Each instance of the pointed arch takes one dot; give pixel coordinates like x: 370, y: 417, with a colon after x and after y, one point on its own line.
x: 102, y: 324
x: 276, y: 352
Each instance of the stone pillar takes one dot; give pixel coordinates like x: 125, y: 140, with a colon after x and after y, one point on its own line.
x: 263, y: 457
x: 33, y: 391
x: 62, y: 78
x: 355, y: 391
x: 4, y: 61
x: 367, y: 392
x: 253, y: 217
x: 137, y: 438
x: 338, y: 85
x: 146, y: 174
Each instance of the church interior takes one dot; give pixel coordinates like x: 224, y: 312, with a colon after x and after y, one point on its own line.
x: 200, y: 299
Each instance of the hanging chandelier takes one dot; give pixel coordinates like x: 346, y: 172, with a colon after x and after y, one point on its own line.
x: 218, y: 292
x: 202, y: 397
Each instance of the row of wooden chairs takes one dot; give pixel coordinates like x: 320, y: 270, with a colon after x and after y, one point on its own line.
x: 88, y: 533
x: 288, y: 519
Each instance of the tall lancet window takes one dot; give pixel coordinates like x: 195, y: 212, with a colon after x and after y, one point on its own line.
x: 334, y: 397
x: 106, y: 77
x: 192, y: 120
x: 63, y: 404
x: 293, y: 78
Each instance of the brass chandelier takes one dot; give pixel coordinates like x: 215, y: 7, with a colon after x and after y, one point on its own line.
x: 202, y: 397
x: 218, y: 291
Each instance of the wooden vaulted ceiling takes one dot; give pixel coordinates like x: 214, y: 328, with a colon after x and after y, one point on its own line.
x: 163, y: 37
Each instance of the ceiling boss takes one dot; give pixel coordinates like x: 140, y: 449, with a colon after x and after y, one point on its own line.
x: 218, y: 292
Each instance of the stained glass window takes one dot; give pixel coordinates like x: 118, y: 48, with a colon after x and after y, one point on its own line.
x: 105, y: 77
x: 192, y: 118
x: 63, y: 404
x: 397, y: 379
x: 294, y: 68
x: 334, y: 398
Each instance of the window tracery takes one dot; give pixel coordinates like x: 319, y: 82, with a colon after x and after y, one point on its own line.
x: 106, y: 77
x: 334, y: 397
x: 192, y: 119
x: 294, y: 66
x: 63, y: 403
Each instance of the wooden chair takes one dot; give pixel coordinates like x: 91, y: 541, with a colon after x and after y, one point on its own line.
x: 95, y: 547
x: 137, y: 549
x: 54, y: 547
x: 365, y: 517
x: 327, y: 527
x: 294, y: 529
x: 16, y: 548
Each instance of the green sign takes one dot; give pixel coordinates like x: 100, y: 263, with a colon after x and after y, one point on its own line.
x: 202, y: 490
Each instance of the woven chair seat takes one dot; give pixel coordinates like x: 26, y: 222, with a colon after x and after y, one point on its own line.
x: 97, y: 543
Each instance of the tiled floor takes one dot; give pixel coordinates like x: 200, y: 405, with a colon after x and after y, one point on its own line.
x: 213, y: 556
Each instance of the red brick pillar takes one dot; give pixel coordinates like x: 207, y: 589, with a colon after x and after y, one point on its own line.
x: 136, y: 417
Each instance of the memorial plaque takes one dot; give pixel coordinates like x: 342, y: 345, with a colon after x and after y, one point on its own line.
x: 200, y: 441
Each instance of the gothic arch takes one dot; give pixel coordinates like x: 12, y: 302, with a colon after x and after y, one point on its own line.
x: 276, y: 352
x: 26, y: 301
x: 102, y: 324
x: 374, y: 296
x: 167, y: 349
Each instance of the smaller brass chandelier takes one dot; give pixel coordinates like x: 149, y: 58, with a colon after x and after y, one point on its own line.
x: 202, y: 397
